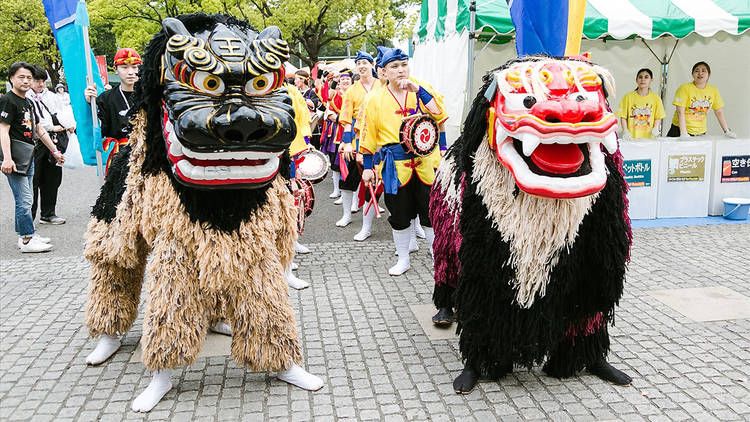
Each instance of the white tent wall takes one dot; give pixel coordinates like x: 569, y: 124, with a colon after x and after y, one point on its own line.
x: 444, y: 64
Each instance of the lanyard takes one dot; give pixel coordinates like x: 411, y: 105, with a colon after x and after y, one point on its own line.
x: 127, y: 104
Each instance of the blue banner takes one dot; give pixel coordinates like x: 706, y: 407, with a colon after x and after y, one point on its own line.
x: 70, y: 41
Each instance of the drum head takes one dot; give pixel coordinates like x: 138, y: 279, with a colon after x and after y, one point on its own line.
x: 313, y: 166
x: 419, y: 134
x: 425, y: 136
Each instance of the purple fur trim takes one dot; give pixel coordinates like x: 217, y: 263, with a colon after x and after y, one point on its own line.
x: 447, y: 239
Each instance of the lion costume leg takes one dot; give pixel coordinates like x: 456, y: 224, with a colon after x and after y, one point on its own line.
x: 585, y: 346
x: 112, y: 305
x: 117, y: 253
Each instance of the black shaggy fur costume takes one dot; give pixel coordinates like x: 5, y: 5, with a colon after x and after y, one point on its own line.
x: 567, y: 326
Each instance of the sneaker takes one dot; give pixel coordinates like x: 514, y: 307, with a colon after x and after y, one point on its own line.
x: 35, y: 236
x: 34, y: 245
x: 55, y: 220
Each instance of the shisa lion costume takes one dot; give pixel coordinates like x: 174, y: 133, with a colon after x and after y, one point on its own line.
x: 199, y: 193
x: 530, y: 214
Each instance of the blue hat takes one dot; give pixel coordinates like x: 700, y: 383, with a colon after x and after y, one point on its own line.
x: 390, y: 55
x: 363, y: 55
x: 379, y: 56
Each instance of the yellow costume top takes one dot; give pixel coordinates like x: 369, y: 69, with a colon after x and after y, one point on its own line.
x: 353, y: 99
x: 697, y: 102
x: 641, y: 112
x: 301, y: 120
x: 382, y: 123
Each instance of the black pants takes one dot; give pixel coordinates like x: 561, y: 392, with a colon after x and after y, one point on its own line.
x: 47, y: 179
x: 674, y: 132
x: 411, y: 200
x: 352, y: 179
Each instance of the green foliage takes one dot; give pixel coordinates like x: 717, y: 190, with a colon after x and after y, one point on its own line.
x: 317, y: 26
x: 25, y: 35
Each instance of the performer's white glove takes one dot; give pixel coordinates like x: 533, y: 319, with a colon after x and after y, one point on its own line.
x: 730, y: 134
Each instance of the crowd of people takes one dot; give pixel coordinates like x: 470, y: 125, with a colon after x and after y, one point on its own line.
x: 359, y: 143
x: 34, y: 128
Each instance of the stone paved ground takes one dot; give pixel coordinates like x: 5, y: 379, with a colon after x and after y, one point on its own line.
x: 360, y: 335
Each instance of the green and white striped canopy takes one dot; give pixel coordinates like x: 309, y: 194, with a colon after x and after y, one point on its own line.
x: 618, y: 19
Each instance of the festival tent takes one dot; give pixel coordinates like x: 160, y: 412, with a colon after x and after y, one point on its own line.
x: 667, y: 36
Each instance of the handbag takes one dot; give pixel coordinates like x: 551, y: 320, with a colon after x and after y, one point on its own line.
x: 22, y: 153
x: 59, y: 138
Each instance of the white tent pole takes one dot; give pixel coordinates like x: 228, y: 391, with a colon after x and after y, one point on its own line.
x: 470, y: 67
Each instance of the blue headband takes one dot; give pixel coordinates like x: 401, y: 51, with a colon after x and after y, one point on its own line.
x: 391, y: 55
x: 363, y: 55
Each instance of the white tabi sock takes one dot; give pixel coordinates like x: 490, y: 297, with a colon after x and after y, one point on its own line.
x: 293, y: 281
x: 401, y: 238
x: 295, y: 375
x: 417, y: 228
x: 346, y: 207
x: 106, y: 346
x: 221, y: 327
x: 336, y: 176
x: 430, y: 237
x: 300, y: 248
x: 366, y: 231
x: 160, y: 385
x: 355, y: 201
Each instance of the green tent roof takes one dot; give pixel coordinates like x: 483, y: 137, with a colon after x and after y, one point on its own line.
x: 617, y: 19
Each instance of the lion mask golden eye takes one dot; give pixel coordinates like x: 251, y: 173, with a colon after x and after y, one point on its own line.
x: 207, y: 83
x: 261, y: 85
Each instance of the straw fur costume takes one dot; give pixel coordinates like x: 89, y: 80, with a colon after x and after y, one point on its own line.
x: 532, y: 235
x: 197, y: 201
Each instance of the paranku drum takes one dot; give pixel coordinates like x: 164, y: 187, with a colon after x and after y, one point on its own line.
x: 304, y: 200
x: 312, y: 166
x: 419, y: 134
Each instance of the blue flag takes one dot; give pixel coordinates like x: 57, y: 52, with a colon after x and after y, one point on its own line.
x: 547, y: 27
x: 70, y: 41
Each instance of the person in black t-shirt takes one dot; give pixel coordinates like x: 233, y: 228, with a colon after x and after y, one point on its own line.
x: 113, y: 105
x: 18, y: 126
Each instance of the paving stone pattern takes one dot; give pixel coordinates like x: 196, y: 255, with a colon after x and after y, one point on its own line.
x: 361, y: 336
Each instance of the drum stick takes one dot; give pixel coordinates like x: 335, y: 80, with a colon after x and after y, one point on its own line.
x: 373, y: 202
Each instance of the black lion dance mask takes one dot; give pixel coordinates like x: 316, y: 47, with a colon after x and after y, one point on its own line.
x: 226, y: 121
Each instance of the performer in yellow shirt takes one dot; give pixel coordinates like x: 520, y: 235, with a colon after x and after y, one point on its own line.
x: 692, y: 101
x: 353, y: 100
x: 407, y: 178
x: 300, y: 144
x: 641, y: 111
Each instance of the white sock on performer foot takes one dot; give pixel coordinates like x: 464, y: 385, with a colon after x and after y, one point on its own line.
x: 336, y: 177
x: 106, y: 346
x: 160, y: 385
x: 417, y: 228
x: 355, y: 201
x: 300, y: 248
x: 366, y: 231
x: 346, y: 206
x: 295, y: 375
x: 293, y: 281
x: 401, y: 238
x: 429, y: 237
x: 222, y: 327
